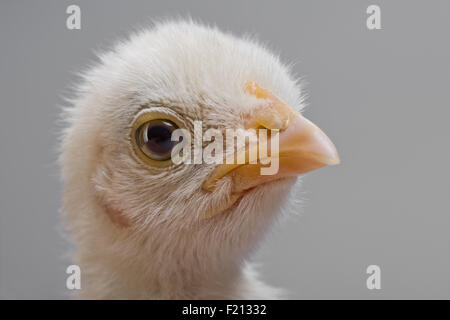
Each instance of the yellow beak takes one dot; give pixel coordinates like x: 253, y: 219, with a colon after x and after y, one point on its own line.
x: 303, y: 147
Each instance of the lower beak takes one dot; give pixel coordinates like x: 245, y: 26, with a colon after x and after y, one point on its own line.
x: 303, y: 147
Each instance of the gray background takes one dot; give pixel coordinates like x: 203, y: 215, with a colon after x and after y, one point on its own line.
x: 382, y: 96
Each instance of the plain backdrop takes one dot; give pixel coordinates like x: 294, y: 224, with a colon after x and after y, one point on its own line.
x: 383, y: 96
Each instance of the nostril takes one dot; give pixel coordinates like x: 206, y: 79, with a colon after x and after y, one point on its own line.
x: 270, y: 121
x: 272, y: 114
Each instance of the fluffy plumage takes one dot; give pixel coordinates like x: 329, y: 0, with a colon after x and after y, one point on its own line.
x: 138, y: 229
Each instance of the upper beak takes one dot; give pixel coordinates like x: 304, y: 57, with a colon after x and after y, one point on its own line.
x: 303, y: 147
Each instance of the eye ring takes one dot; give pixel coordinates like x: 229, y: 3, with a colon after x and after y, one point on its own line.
x: 150, y: 136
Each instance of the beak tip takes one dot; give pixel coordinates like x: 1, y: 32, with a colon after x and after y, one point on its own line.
x: 334, y: 161
x: 328, y: 153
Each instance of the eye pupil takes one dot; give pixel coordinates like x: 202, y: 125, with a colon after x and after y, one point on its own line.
x: 154, y: 138
x: 158, y: 137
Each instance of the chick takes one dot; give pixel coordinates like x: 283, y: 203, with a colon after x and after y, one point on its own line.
x: 147, y: 228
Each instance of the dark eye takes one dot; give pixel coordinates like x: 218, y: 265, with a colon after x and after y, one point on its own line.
x: 154, y: 138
